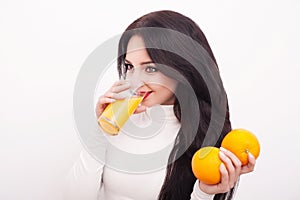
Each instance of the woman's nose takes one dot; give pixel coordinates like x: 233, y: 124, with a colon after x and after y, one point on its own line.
x: 135, y: 80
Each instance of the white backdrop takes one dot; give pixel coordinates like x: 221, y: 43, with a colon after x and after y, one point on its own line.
x: 44, y: 43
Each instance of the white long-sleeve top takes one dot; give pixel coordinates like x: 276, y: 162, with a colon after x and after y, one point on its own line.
x: 134, y: 165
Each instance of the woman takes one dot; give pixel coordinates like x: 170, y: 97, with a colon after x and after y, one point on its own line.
x: 169, y: 54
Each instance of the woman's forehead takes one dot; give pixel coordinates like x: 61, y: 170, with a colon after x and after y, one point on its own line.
x: 136, y: 52
x: 135, y: 43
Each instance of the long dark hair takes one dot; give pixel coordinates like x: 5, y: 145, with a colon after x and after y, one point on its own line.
x: 195, y: 114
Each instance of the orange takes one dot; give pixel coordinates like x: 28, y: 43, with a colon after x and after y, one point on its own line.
x: 240, y: 142
x: 206, y: 164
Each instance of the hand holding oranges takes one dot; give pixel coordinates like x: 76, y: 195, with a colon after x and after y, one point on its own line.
x: 207, y: 162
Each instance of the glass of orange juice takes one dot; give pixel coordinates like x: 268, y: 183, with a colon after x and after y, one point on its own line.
x: 117, y: 113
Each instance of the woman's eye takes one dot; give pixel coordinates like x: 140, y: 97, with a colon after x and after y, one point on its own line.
x: 151, y: 69
x: 128, y: 67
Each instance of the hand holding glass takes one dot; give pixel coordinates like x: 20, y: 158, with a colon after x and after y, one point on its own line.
x: 117, y: 113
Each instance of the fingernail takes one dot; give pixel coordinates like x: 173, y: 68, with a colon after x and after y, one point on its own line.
x: 222, y: 154
x: 250, y: 154
x: 223, y: 149
x: 112, y: 100
x: 222, y: 166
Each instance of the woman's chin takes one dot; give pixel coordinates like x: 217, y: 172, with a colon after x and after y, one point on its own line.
x: 148, y: 103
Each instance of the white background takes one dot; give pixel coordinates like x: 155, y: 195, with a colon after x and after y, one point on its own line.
x: 44, y: 43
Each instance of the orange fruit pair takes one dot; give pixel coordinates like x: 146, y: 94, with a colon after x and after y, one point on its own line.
x: 206, y: 161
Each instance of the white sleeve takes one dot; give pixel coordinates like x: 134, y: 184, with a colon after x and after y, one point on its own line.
x: 198, y: 194
x: 85, y: 178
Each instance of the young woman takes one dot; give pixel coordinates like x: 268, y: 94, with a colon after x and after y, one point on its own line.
x: 169, y: 55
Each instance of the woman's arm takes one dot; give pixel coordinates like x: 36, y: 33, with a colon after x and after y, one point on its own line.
x: 85, y: 178
x: 198, y: 194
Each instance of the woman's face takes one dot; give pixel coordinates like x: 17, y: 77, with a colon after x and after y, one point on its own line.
x: 159, y: 88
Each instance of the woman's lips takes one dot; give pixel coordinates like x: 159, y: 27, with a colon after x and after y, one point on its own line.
x: 145, y: 94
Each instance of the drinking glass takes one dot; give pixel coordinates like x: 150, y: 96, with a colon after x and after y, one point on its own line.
x: 117, y: 113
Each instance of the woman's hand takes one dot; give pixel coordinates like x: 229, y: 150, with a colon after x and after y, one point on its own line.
x: 112, y: 95
x: 230, y: 172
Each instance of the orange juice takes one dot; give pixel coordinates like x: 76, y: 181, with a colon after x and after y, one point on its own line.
x: 117, y: 113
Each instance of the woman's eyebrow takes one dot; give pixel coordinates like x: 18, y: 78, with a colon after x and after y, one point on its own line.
x: 142, y: 63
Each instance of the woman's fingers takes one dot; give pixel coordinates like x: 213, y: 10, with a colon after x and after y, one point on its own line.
x: 117, y: 87
x: 113, y: 94
x: 120, y: 86
x: 221, y: 187
x: 237, y: 164
x: 225, y: 178
x: 140, y: 109
x: 101, y: 104
x: 106, y: 100
x: 250, y: 166
x: 230, y: 168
